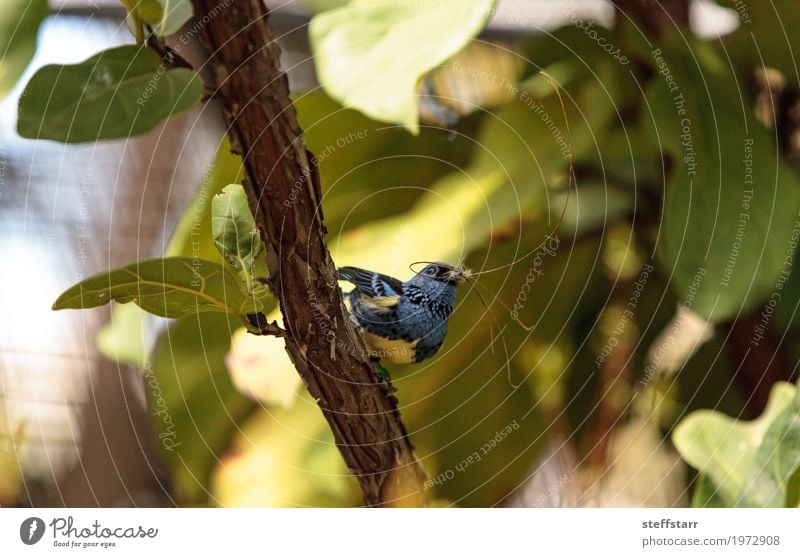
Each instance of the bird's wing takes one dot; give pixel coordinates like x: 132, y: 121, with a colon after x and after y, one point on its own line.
x: 381, y: 290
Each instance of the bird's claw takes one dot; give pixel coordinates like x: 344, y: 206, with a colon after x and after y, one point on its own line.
x: 383, y: 375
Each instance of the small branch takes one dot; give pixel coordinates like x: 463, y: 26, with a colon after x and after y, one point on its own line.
x: 285, y: 195
x: 169, y: 56
x: 259, y: 322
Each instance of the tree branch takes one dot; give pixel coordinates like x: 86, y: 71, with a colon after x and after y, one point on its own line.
x: 285, y: 195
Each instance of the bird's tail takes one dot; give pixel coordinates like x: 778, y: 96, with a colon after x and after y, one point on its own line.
x: 347, y: 273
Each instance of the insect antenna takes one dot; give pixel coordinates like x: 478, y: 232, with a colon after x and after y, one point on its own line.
x: 494, y: 320
x: 499, y: 301
x: 570, y: 182
x: 468, y: 275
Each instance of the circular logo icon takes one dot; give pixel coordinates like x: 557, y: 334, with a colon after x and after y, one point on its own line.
x: 31, y: 530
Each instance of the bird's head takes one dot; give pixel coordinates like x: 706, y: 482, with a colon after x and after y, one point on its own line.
x: 442, y: 272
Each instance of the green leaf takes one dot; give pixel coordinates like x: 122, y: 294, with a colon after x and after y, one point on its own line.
x: 731, y: 203
x: 706, y: 495
x: 117, y: 93
x: 19, y: 25
x: 234, y: 229
x: 363, y: 159
x: 776, y: 460
x: 519, y: 157
x: 372, y: 56
x: 750, y: 463
x: 317, y: 6
x: 284, y: 458
x: 171, y: 287
x: 172, y: 15
x: 122, y: 338
x: 260, y: 369
x: 146, y: 11
x: 793, y: 490
x: 195, y: 408
x: 176, y: 13
x: 522, y: 156
x: 192, y: 236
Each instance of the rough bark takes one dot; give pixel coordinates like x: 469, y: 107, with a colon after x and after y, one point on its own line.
x: 285, y: 196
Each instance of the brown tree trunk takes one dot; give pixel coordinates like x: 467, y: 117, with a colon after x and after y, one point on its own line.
x: 285, y: 195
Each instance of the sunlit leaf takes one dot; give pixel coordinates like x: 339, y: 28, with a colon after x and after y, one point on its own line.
x: 260, y: 368
x: 171, y: 287
x: 371, y: 56
x: 522, y: 154
x: 461, y: 86
x: 772, y: 481
x: 317, y: 6
x: 125, y: 337
x: 171, y: 15
x: 19, y: 25
x: 370, y: 170
x: 284, y: 458
x: 234, y: 229
x: 793, y: 490
x: 705, y: 495
x: 117, y: 93
x: 176, y: 13
x: 748, y: 463
x: 145, y: 11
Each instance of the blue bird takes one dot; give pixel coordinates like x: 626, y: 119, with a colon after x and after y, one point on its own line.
x: 403, y: 322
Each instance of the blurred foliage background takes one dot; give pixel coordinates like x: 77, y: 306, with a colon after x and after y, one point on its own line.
x: 662, y: 309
